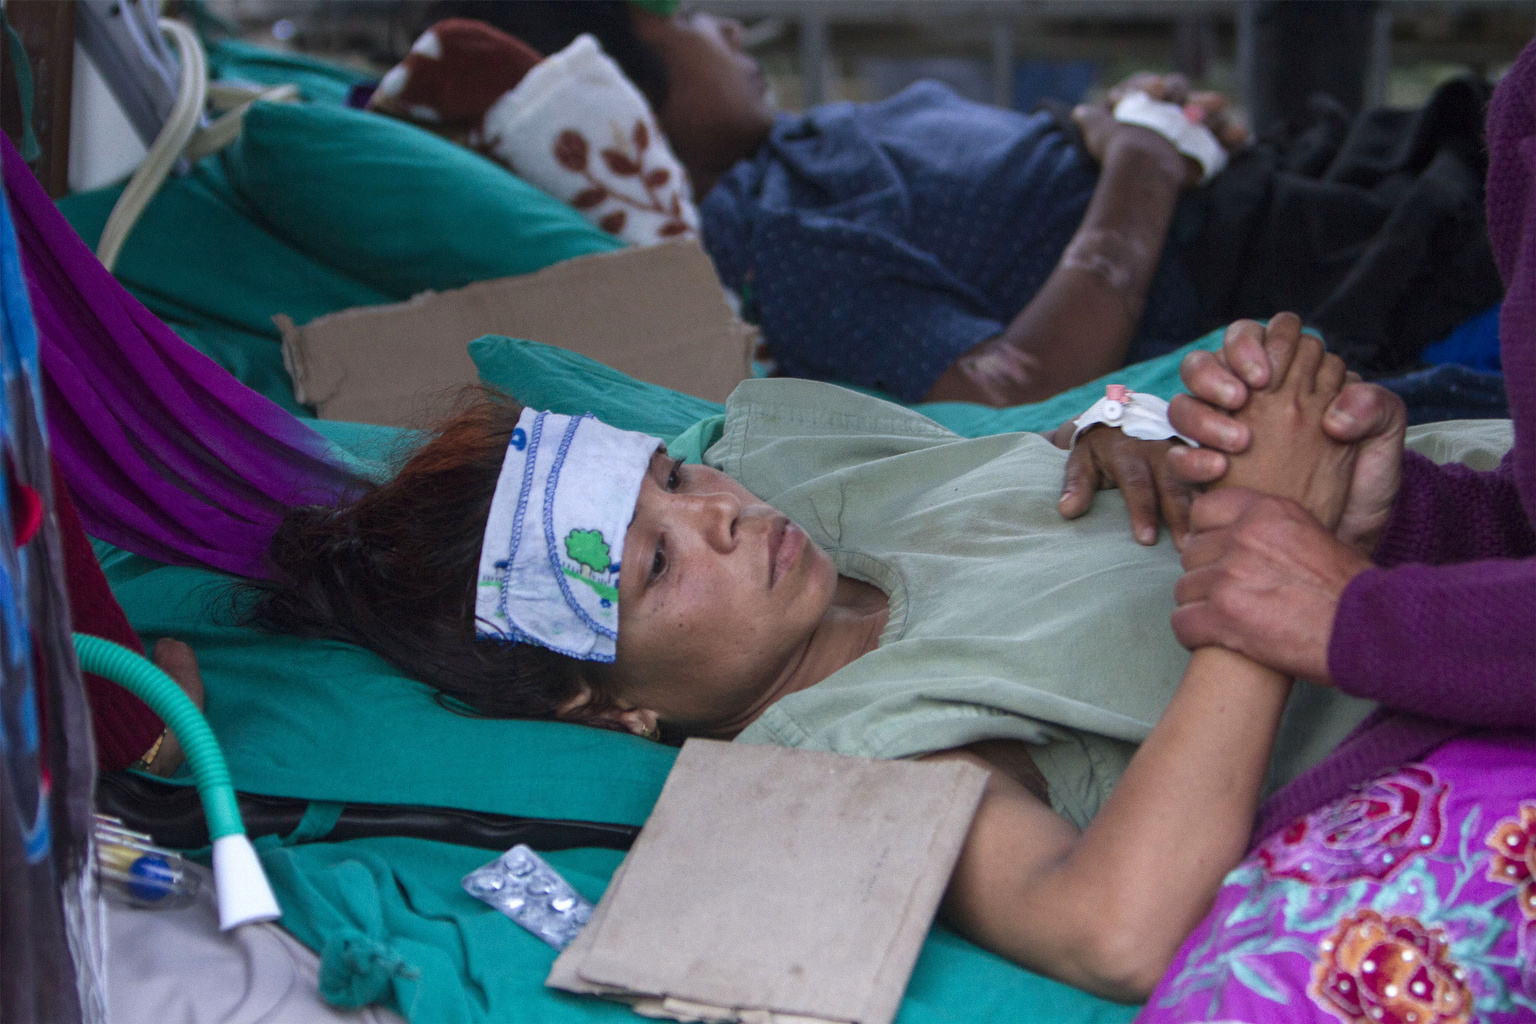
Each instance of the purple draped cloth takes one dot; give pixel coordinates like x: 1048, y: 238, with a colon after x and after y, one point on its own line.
x: 167, y: 455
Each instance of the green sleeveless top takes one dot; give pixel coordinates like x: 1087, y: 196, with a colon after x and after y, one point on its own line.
x: 1006, y: 621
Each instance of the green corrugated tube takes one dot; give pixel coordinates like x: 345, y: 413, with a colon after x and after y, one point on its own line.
x: 142, y: 678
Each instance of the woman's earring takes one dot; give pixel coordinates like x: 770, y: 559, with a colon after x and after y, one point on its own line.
x: 654, y: 732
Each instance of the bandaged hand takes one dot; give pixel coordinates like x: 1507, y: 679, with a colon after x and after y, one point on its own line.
x: 1368, y: 416
x: 1101, y: 131
x: 1106, y: 458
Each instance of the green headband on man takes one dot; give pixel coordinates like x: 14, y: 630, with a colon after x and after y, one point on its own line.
x: 660, y: 8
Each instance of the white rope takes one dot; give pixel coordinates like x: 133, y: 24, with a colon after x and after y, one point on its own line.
x: 227, y: 128
x: 224, y: 96
x: 182, y: 136
x: 191, y: 93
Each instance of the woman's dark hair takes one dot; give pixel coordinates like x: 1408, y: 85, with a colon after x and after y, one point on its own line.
x: 396, y: 570
x: 551, y: 25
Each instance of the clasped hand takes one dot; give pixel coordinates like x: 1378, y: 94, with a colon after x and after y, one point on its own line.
x: 1299, y: 478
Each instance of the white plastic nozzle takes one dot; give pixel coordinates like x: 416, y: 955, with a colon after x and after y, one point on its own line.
x: 245, y: 895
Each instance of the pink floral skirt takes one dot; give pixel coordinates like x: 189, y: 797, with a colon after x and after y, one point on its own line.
x: 1410, y: 901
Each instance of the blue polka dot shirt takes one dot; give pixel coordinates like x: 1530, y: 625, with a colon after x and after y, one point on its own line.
x: 875, y: 243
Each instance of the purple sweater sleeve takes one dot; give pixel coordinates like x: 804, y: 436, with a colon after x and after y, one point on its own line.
x: 1451, y: 513
x: 1457, y: 641
x: 1454, y: 642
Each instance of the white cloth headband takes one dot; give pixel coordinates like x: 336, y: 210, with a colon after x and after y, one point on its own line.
x: 549, y: 563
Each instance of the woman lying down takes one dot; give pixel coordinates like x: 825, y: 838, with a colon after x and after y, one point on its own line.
x: 843, y: 574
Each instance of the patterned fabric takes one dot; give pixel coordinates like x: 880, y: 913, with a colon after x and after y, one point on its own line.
x: 877, y: 242
x: 1409, y: 901
x: 453, y: 73
x: 571, y: 125
x: 577, y: 129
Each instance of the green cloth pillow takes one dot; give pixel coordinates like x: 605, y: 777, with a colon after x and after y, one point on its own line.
x: 199, y: 256
x: 217, y: 263
x: 396, y: 207
x: 330, y: 721
x: 547, y: 377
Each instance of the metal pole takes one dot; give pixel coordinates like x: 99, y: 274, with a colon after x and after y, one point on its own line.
x: 813, y: 54
x: 1377, y: 83
x: 1002, y: 62
x: 1245, y: 54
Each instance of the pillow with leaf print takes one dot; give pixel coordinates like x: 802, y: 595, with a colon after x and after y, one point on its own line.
x: 570, y: 124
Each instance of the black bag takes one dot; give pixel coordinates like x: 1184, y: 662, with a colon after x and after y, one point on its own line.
x: 1373, y: 230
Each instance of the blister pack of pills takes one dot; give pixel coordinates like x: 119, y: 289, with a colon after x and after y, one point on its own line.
x: 523, y: 886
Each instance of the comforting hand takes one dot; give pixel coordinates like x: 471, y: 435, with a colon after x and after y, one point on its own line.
x: 1263, y: 578
x: 1264, y: 572
x: 1368, y: 416
x: 1105, y: 458
x: 1289, y: 455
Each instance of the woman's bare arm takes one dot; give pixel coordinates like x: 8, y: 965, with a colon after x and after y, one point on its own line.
x: 1105, y: 909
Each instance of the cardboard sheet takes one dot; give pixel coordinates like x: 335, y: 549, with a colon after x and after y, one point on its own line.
x: 773, y: 885
x: 656, y: 313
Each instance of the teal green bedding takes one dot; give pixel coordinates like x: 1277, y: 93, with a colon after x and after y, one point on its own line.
x: 318, y: 81
x: 329, y: 721
x: 392, y: 925
x: 547, y: 377
x: 332, y: 723
x: 317, y: 209
x: 395, y: 207
x: 200, y: 256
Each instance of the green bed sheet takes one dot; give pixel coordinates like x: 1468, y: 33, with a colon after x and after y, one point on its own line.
x: 392, y: 925
x: 546, y: 377
x: 319, y: 81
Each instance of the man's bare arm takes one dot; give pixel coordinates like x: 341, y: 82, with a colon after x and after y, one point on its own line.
x: 1080, y: 324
